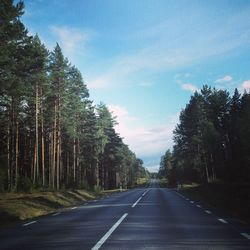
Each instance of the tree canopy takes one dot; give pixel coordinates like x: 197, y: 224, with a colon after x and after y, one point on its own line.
x: 51, y: 133
x: 211, y: 141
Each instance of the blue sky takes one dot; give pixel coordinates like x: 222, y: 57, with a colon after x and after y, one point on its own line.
x: 144, y: 58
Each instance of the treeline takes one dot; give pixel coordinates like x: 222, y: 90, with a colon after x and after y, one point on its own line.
x: 212, y: 139
x: 51, y: 133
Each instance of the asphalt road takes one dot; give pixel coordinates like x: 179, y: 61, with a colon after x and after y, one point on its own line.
x: 145, y: 218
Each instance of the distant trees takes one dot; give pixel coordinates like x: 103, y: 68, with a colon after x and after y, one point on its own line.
x: 51, y: 133
x: 211, y: 140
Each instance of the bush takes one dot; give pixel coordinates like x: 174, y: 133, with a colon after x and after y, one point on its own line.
x: 97, y: 189
x: 25, y: 184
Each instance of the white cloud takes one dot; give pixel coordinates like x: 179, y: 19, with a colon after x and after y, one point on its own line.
x: 145, y: 84
x: 152, y: 168
x: 119, y: 111
x: 245, y: 86
x: 172, y: 49
x: 144, y: 141
x: 70, y: 38
x: 224, y: 79
x: 189, y: 87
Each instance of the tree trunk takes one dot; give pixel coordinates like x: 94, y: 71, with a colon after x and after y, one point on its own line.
x: 97, y: 181
x: 74, y: 160
x: 58, y: 148
x: 50, y: 157
x: 37, y: 136
x: 12, y: 150
x: 67, y: 170
x: 77, y: 164
x: 8, y: 154
x: 42, y: 139
x: 43, y: 166
x: 34, y: 165
x: 17, y: 153
x: 54, y: 150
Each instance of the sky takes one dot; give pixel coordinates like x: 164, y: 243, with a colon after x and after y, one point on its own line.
x: 145, y: 58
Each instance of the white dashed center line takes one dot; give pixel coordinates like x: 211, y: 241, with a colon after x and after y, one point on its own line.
x: 111, y: 230
x: 29, y: 223
x: 246, y: 235
x: 222, y: 221
x: 208, y: 212
x: 136, y: 202
x: 56, y: 214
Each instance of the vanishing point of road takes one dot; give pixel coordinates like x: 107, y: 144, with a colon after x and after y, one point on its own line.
x: 142, y: 218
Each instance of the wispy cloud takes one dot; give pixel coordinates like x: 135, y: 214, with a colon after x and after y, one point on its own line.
x: 224, y: 79
x: 146, y: 84
x: 171, y: 50
x: 144, y: 141
x: 71, y: 39
x: 245, y: 86
x: 189, y: 87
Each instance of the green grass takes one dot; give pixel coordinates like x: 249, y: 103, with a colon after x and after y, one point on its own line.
x: 21, y: 206
x: 142, y: 182
x: 232, y: 199
x: 163, y: 182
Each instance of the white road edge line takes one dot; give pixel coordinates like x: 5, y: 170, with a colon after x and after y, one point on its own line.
x: 56, y: 214
x: 208, y: 212
x: 223, y: 221
x: 73, y: 208
x: 192, y: 202
x: 144, y: 193
x: 199, y: 206
x: 136, y: 202
x: 180, y: 195
x: 246, y: 235
x: 29, y: 223
x: 110, y: 231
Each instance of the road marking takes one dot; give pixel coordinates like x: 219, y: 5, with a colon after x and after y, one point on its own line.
x: 223, y: 221
x: 208, y: 212
x: 110, y: 231
x: 199, y: 206
x: 246, y: 235
x: 136, y: 202
x: 180, y: 195
x: 187, y: 199
x: 73, y: 208
x: 144, y: 193
x: 56, y: 214
x: 192, y: 202
x: 29, y: 223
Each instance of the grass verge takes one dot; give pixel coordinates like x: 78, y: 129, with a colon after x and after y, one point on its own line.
x: 142, y: 182
x: 232, y: 199
x: 21, y: 206
x: 163, y: 182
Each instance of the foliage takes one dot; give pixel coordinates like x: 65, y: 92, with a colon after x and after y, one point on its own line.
x: 211, y: 139
x: 52, y: 136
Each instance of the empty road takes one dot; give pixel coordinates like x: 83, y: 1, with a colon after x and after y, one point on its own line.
x: 143, y: 218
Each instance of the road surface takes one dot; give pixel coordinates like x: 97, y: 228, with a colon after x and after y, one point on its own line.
x: 143, y: 218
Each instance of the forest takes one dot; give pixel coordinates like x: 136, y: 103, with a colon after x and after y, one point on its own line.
x: 211, y: 140
x: 52, y: 135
